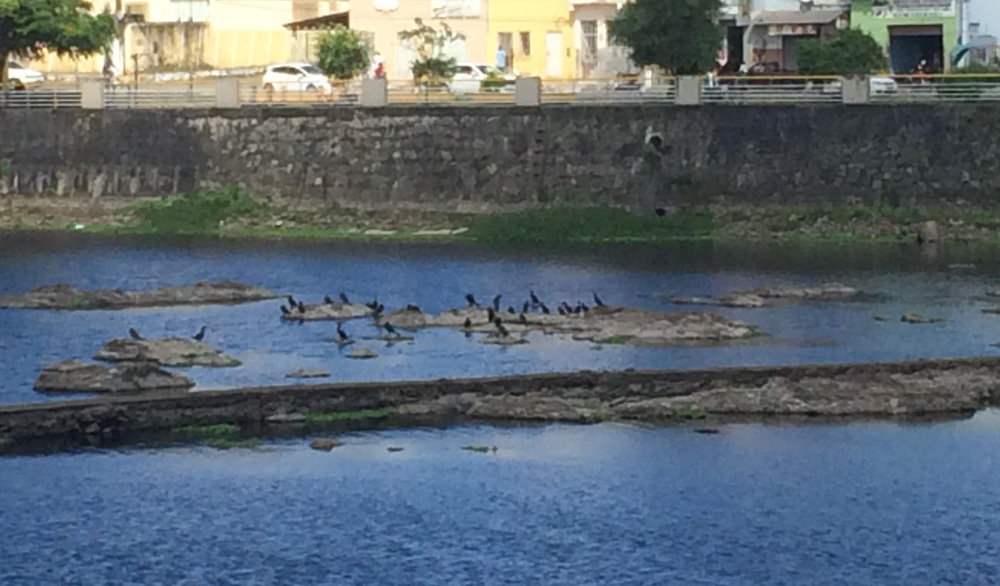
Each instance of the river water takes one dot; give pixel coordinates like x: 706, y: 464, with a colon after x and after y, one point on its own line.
x: 947, y: 284
x: 866, y: 503
x: 873, y: 503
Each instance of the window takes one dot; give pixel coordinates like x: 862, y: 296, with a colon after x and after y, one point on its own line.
x: 526, y: 44
x: 588, y: 50
x: 505, y: 44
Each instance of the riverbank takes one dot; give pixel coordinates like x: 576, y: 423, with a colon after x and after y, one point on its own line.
x: 717, y: 222
x: 913, y: 389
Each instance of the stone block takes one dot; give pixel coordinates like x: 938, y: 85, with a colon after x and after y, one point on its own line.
x: 374, y: 92
x: 92, y: 94
x: 689, y: 90
x: 856, y: 89
x: 227, y: 92
x: 528, y: 91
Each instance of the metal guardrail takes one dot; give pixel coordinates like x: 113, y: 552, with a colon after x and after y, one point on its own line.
x: 731, y: 90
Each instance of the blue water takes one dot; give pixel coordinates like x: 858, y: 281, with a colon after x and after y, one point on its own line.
x: 437, y: 277
x: 878, y: 503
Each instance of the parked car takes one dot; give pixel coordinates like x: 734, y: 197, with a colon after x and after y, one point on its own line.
x: 469, y: 78
x: 296, y: 77
x: 882, y: 85
x: 21, y: 77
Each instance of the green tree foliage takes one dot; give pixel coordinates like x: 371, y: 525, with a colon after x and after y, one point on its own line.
x: 66, y: 27
x: 851, y: 52
x: 680, y: 36
x: 342, y: 53
x: 431, y: 65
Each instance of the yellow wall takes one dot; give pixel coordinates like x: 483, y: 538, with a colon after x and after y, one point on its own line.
x: 538, y: 18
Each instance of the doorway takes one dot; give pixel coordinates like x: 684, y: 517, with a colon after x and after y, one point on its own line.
x: 553, y: 54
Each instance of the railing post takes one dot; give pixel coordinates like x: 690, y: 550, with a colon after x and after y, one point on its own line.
x: 856, y: 89
x: 227, y: 92
x: 528, y: 91
x: 374, y: 92
x: 92, y: 94
x: 688, y: 90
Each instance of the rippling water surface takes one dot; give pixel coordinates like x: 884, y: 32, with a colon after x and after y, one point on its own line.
x: 937, y: 283
x: 879, y: 503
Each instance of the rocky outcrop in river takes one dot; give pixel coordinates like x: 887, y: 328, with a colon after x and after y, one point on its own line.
x: 75, y: 376
x: 65, y: 296
x: 602, y: 324
x: 326, y: 311
x: 167, y: 352
x: 761, y: 296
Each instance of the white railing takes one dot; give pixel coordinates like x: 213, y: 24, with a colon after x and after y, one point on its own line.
x: 585, y: 91
x: 40, y: 99
x: 772, y: 90
x: 160, y: 98
x: 940, y: 89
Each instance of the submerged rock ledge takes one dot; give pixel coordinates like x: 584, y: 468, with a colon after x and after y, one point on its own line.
x: 873, y: 390
x: 63, y: 296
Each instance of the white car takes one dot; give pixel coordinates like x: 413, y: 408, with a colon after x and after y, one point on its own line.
x: 21, y: 78
x: 877, y: 85
x: 296, y: 77
x: 469, y: 78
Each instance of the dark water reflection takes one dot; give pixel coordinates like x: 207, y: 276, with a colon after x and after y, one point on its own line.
x: 437, y: 277
x: 878, y: 503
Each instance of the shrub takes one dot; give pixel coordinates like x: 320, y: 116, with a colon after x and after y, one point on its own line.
x: 342, y: 53
x: 195, y: 214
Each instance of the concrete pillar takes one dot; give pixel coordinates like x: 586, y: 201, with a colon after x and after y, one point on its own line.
x: 856, y: 89
x: 92, y: 94
x: 227, y: 92
x: 689, y: 90
x: 374, y: 92
x: 528, y: 91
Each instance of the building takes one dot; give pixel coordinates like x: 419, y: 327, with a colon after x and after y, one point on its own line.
x: 596, y: 56
x: 772, y: 29
x: 911, y: 30
x: 532, y: 37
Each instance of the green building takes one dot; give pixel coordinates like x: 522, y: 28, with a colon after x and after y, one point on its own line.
x: 911, y: 31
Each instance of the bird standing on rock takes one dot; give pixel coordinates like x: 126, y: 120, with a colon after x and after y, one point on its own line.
x: 510, y: 309
x: 496, y: 303
x: 525, y: 307
x: 343, y: 297
x: 135, y: 335
x: 412, y: 307
x: 561, y: 310
x: 291, y: 301
x: 534, y: 298
x: 327, y: 300
x: 388, y: 328
x: 503, y: 331
x: 545, y: 309
x: 489, y: 314
x: 597, y: 301
x: 471, y: 300
x: 467, y: 324
x: 342, y: 334
x: 285, y: 310
x: 302, y: 307
x: 200, y: 335
x: 373, y: 305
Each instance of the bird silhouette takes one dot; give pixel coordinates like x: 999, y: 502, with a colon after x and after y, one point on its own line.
x: 285, y: 310
x: 561, y: 310
x: 388, y: 328
x: 510, y: 309
x: 534, y: 298
x: 597, y: 301
x: 200, y: 335
x: 412, y: 307
x: 373, y: 305
x: 467, y: 324
x: 545, y: 309
x: 343, y: 297
x: 342, y: 334
x: 291, y: 301
x: 302, y: 307
x: 496, y: 303
x: 471, y: 300
x: 135, y: 335
x: 525, y: 307
x: 503, y: 331
x: 489, y: 314
x: 327, y: 300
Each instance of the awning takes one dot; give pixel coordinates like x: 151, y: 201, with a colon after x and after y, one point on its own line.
x: 798, y: 17
x: 324, y: 22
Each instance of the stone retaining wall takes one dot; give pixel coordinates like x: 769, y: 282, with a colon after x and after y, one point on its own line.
x: 899, y: 389
x: 472, y: 159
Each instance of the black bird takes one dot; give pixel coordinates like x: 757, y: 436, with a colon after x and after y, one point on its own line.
x: 489, y: 314
x: 411, y: 307
x: 577, y: 309
x: 291, y: 301
x: 503, y: 331
x: 471, y: 300
x: 379, y: 309
x: 496, y: 303
x: 373, y: 305
x: 534, y: 298
x: 302, y: 307
x: 284, y: 310
x: 545, y: 309
x: 584, y: 307
x: 597, y: 301
x: 523, y: 320
x: 343, y: 297
x: 327, y: 300
x: 135, y: 335
x: 467, y: 324
x: 561, y: 310
x: 388, y: 328
x: 510, y: 309
x: 342, y: 334
x: 200, y: 335
x: 525, y: 307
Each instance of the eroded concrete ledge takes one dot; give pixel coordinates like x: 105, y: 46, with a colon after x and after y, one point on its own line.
x: 872, y: 390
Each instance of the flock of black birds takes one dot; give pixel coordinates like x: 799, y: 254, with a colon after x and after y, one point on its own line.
x: 197, y: 337
x: 492, y: 312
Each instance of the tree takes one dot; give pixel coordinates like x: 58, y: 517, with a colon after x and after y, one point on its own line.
x: 66, y: 27
x: 342, y: 53
x: 851, y: 52
x: 432, y: 65
x: 680, y: 36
